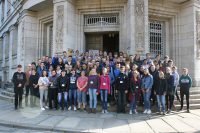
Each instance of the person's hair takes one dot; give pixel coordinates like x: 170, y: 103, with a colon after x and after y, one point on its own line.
x: 19, y: 66
x: 135, y: 71
x: 53, y: 70
x: 174, y: 67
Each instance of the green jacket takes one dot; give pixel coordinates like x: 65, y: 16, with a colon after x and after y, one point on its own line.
x: 185, y: 81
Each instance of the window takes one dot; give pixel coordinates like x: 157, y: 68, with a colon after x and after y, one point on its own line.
x: 157, y: 37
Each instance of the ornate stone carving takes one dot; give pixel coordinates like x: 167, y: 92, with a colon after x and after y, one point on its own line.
x: 198, y: 33
x: 59, y: 28
x: 139, y: 25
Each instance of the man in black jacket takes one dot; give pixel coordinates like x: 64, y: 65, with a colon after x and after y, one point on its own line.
x: 63, y: 84
x: 121, y: 85
x: 19, y: 80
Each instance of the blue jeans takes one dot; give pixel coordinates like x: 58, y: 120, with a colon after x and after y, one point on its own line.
x: 62, y: 96
x: 93, y: 98
x: 81, y: 96
x: 72, y: 94
x: 146, y: 96
x: 161, y: 101
x: 133, y: 103
x: 104, y: 99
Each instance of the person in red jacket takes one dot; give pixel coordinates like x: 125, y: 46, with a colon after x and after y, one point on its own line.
x: 104, y: 89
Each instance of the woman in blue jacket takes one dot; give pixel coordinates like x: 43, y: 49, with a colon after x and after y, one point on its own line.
x: 146, y: 85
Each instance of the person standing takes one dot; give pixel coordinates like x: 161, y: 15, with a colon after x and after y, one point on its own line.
x: 28, y: 74
x: 82, y: 89
x: 104, y: 89
x: 176, y: 81
x: 93, y: 85
x: 121, y: 86
x: 63, y: 87
x: 170, y: 89
x: 72, y: 89
x: 19, y: 80
x: 146, y: 85
x: 134, y: 88
x: 185, y: 83
x: 53, y: 90
x: 43, y: 89
x: 33, y: 83
x: 160, y: 92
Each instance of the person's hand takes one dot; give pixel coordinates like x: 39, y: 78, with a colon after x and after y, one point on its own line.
x: 126, y: 91
x: 19, y: 85
x: 154, y: 93
x: 147, y: 90
x: 142, y: 90
x: 87, y: 93
x: 164, y: 93
x: 116, y: 91
x: 97, y: 93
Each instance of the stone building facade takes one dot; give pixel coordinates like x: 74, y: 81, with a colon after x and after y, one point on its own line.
x: 30, y: 29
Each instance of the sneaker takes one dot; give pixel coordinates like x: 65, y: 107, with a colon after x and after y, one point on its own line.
x: 108, y: 104
x: 94, y: 111
x: 135, y: 112
x: 130, y: 112
x: 188, y: 111
x: 102, y: 112
x: 69, y: 108
x: 106, y: 111
x: 46, y: 107
x: 90, y: 111
x: 181, y: 109
x: 149, y: 112
x: 145, y: 111
x: 163, y: 113
x: 42, y: 108
x: 169, y: 111
x: 74, y: 108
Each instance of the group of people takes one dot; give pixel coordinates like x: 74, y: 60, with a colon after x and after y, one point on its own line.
x: 66, y: 82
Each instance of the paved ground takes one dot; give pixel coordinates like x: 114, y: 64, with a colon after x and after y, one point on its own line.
x: 35, y: 120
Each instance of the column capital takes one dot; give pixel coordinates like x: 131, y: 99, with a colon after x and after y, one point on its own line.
x: 5, y: 34
x: 12, y: 27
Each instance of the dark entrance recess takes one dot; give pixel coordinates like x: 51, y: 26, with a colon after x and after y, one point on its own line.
x: 111, y: 42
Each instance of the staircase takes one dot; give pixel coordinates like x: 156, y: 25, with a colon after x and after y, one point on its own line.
x: 194, y: 99
x: 7, y: 94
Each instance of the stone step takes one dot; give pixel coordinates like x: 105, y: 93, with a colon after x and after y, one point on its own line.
x: 192, y: 106
x: 6, y: 98
x: 192, y: 92
x: 7, y: 93
x: 192, y: 101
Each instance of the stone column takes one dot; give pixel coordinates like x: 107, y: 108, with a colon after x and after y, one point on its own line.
x: 4, y: 56
x: 58, y: 26
x: 138, y: 26
x: 64, y: 28
x: 11, y: 29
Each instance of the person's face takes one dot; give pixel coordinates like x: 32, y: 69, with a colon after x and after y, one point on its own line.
x: 148, y: 56
x: 153, y: 68
x: 184, y: 72
x: 63, y: 73
x: 73, y: 72
x: 44, y: 73
x: 118, y: 66
x: 82, y: 73
x: 70, y: 68
x: 60, y: 60
x: 161, y: 75
x: 53, y: 73
x: 42, y: 64
x: 145, y: 72
x: 50, y: 60
x: 104, y: 71
x: 135, y: 74
x: 29, y: 68
x: 122, y: 70
x: 65, y: 54
x: 33, y: 72
x: 70, y: 59
x: 19, y: 69
x: 166, y: 59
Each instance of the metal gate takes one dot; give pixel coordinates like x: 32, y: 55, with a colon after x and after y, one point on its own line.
x: 157, y: 37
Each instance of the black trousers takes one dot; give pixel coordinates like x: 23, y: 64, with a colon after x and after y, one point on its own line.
x: 185, y: 91
x: 53, y: 97
x: 169, y: 101
x: 18, y: 96
x: 26, y: 94
x: 121, y: 101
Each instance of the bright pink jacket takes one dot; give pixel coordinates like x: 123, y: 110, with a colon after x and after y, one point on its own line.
x: 104, y: 83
